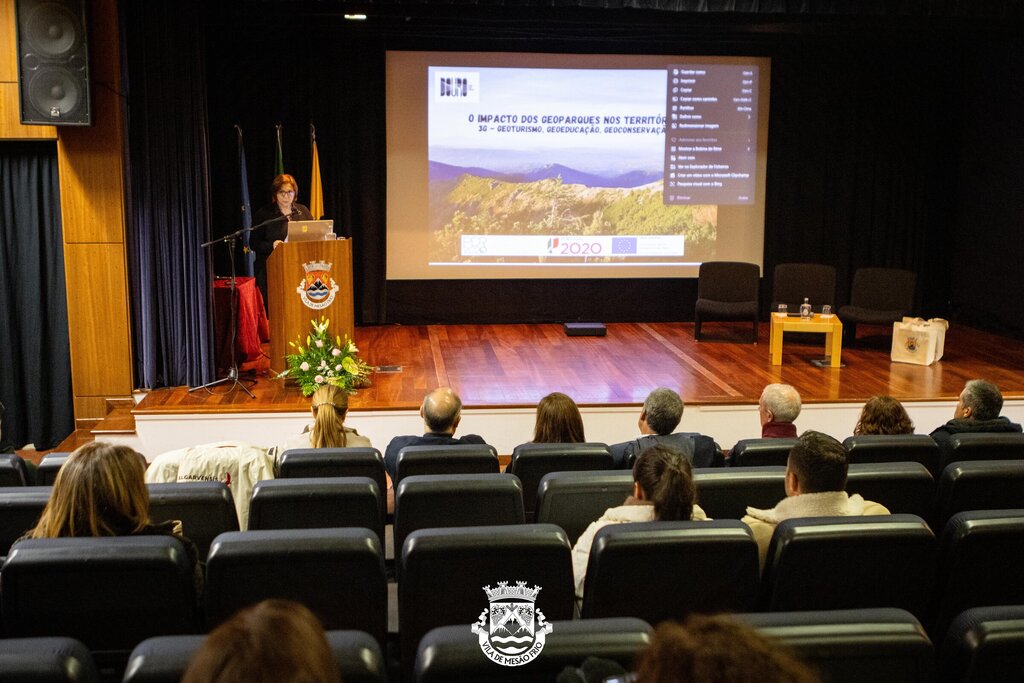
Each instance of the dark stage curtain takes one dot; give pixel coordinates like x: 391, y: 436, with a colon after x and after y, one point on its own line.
x: 168, y: 202
x: 35, y: 363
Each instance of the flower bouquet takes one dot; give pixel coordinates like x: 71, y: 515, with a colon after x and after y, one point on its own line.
x: 325, y: 360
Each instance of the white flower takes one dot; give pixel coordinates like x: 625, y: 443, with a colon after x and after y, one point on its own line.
x: 337, y: 367
x: 319, y: 343
x: 304, y: 367
x: 352, y: 347
x: 335, y: 352
x: 319, y: 379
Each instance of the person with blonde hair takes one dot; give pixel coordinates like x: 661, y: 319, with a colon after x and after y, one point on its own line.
x: 100, y: 490
x: 883, y: 415
x: 558, y: 420
x: 275, y: 640
x: 329, y: 406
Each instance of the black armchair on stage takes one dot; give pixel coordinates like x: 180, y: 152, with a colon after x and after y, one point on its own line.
x: 727, y: 290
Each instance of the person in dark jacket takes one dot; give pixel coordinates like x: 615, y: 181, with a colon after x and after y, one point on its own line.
x: 270, y: 224
x: 977, y: 410
x: 661, y: 414
x: 441, y: 411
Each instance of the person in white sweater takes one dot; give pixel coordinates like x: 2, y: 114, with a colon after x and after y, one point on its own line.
x: 663, y: 489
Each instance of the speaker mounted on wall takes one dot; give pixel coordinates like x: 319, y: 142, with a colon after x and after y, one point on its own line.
x: 53, y: 63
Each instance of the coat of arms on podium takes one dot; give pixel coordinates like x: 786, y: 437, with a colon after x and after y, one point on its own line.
x: 317, y: 288
x: 512, y: 631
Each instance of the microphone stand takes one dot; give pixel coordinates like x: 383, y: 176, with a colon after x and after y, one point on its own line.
x: 233, y: 287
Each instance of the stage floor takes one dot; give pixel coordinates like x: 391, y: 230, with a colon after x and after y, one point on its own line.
x: 513, y: 366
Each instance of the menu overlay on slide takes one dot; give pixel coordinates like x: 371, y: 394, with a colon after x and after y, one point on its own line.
x: 711, y: 134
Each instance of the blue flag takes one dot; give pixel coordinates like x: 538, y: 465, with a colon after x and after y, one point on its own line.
x: 249, y: 257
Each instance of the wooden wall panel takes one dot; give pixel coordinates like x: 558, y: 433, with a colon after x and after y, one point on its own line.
x: 10, y: 108
x: 98, y: 319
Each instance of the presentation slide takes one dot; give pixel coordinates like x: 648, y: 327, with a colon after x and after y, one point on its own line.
x: 586, y: 166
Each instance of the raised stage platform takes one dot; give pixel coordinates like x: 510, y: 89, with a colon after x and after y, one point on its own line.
x: 501, y: 371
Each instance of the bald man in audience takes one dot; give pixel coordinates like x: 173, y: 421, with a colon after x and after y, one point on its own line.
x: 778, y: 409
x: 815, y: 487
x: 441, y: 411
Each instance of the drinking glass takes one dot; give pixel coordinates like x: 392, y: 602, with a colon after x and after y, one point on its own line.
x: 826, y: 310
x: 783, y: 310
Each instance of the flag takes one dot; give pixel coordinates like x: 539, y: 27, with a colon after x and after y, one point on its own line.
x: 279, y: 163
x: 316, y: 188
x: 249, y: 257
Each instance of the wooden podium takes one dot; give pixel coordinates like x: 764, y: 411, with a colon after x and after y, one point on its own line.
x: 306, y: 280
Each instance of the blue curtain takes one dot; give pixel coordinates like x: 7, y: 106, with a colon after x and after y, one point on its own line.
x: 168, y: 193
x: 35, y: 364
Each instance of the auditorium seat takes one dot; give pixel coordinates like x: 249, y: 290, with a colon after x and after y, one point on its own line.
x: 984, y: 644
x: 761, y: 452
x: 164, y: 659
x: 981, y: 563
x: 982, y: 446
x: 444, y: 573
x: 878, y: 296
x: 727, y: 290
x: 852, y: 646
x: 866, y: 448
x: 572, y: 500
x: 447, y: 500
x: 110, y: 593
x: 850, y: 563
x: 337, y: 573
x: 668, y: 570
x: 46, y: 474
x: 726, y: 493
x: 531, y: 461
x: 454, y: 459
x: 792, y: 282
x: 451, y: 654
x: 20, y: 508
x: 979, y: 485
x: 13, y: 471
x: 204, y: 508
x: 322, y: 503
x: 46, y: 660
x: 301, y: 463
x: 902, y: 487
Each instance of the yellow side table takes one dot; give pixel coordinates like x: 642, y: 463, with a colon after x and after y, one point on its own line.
x: 829, y: 325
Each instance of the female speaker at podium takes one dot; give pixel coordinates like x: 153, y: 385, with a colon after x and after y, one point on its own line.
x: 275, y: 217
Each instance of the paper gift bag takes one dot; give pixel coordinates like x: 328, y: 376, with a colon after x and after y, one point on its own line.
x: 918, y: 341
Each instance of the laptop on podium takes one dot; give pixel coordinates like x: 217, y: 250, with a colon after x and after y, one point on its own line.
x: 310, y: 231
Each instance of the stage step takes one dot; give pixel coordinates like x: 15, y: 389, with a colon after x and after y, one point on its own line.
x: 119, y: 421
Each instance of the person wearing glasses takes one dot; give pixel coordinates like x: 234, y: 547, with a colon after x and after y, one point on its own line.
x: 273, y: 219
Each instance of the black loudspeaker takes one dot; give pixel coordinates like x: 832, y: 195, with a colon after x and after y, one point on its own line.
x: 53, y: 62
x: 585, y: 329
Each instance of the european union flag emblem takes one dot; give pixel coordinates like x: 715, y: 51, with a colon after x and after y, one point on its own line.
x: 623, y: 245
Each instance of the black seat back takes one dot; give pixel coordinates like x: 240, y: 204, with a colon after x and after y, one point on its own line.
x: 337, y: 573
x: 20, y: 508
x: 304, y: 463
x: 983, y: 446
x: 850, y: 563
x: 321, y: 503
x: 868, y: 448
x: 761, y: 452
x: 902, y: 487
x: 454, y: 459
x: 793, y: 282
x: 46, y: 474
x: 204, y: 508
x: 979, y: 485
x: 46, y: 660
x: 531, y: 461
x: 980, y: 565
x: 451, y: 654
x: 984, y: 644
x: 879, y: 644
x: 726, y: 493
x: 572, y: 500
x: 13, y: 471
x: 668, y: 570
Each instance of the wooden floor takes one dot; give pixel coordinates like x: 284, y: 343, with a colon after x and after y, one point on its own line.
x: 515, y: 365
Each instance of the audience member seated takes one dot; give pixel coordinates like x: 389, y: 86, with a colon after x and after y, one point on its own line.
x: 778, y: 408
x: 883, y: 415
x: 441, y: 411
x: 558, y: 420
x: 275, y: 640
x: 663, y: 489
x: 815, y: 487
x: 977, y: 410
x: 101, y: 491
x: 329, y: 406
x: 717, y: 649
x: 661, y: 414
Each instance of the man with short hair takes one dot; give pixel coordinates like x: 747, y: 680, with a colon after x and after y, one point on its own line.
x: 815, y: 487
x: 441, y: 411
x: 661, y: 414
x: 778, y: 408
x: 977, y: 410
